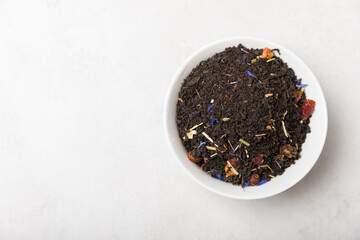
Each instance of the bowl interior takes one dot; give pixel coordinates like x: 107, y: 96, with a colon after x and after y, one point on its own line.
x: 311, y: 148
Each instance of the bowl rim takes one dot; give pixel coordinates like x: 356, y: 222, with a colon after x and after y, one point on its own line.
x: 167, y: 117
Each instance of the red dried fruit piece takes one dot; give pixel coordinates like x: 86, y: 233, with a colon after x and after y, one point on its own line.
x: 254, y: 179
x: 267, y: 53
x: 234, y: 162
x: 259, y: 159
x: 307, y: 108
x: 192, y: 158
x: 297, y: 95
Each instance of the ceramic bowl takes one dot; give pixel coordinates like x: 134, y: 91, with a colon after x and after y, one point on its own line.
x: 311, y: 149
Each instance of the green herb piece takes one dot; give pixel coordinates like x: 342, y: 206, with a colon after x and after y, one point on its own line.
x: 230, y: 145
x: 207, y: 136
x: 284, y: 128
x: 198, y: 93
x: 211, y: 148
x: 259, y: 135
x: 196, y: 126
x: 244, y: 142
x: 267, y: 167
x: 284, y: 115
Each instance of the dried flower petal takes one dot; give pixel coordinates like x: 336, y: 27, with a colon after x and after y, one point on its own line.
x: 210, y: 107
x: 302, y: 85
x: 213, y: 121
x: 201, y: 144
x: 262, y: 182
x: 250, y: 74
x: 191, y: 133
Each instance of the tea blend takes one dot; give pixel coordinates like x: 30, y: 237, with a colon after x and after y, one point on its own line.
x: 243, y: 116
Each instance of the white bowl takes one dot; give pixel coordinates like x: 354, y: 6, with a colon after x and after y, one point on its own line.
x: 311, y: 149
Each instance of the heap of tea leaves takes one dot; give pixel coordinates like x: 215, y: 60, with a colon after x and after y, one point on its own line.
x: 243, y: 115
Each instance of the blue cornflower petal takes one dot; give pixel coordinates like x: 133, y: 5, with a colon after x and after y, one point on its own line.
x: 212, y: 121
x: 201, y: 144
x: 241, y: 159
x: 250, y: 74
x: 219, y: 176
x: 262, y: 182
x: 297, y: 112
x: 246, y: 184
x: 302, y: 85
x: 210, y: 107
x: 298, y: 80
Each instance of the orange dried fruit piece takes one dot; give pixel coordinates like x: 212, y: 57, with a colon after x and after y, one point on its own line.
x: 193, y: 158
x: 232, y: 167
x: 298, y: 95
x: 288, y: 150
x: 267, y: 53
x: 221, y: 149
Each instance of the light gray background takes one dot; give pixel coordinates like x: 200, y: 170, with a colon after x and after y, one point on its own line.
x: 83, y: 153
